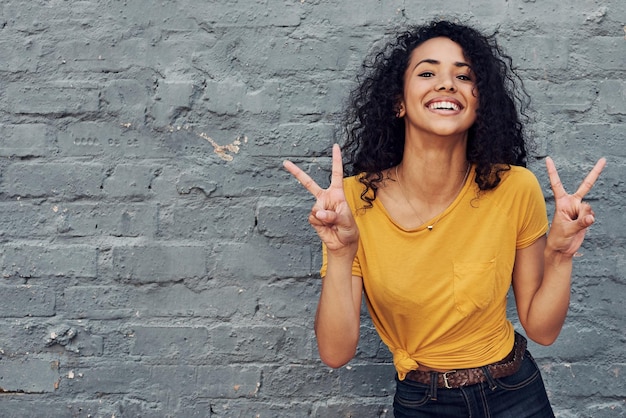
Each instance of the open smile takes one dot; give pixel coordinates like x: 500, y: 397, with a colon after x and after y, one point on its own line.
x: 444, y: 105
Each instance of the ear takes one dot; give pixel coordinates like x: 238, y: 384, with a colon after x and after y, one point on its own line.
x: 400, y: 109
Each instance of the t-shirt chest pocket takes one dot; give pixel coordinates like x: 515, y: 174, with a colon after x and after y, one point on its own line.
x: 474, y: 285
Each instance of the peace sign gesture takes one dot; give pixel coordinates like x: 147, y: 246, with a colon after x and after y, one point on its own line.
x: 331, y: 217
x: 572, y: 216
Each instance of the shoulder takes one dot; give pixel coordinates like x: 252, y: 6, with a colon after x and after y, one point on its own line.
x: 519, y: 186
x: 518, y: 176
x: 354, y: 190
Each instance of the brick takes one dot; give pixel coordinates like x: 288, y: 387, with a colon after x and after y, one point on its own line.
x: 114, y: 378
x: 226, y: 13
x: 241, y: 408
x: 262, y: 100
x: 349, y: 408
x: 111, y: 302
x: 212, y: 219
x: 87, y: 138
x: 101, y: 55
x: 98, y: 302
x: 46, y: 261
x: 133, y: 182
x: 224, y: 97
x: 19, y: 56
x: 364, y: 13
x: 104, y: 139
x: 574, y: 343
x: 86, y: 344
x: 142, y: 407
x: 261, y: 343
x: 296, y: 139
x: 302, y: 52
x: 127, y: 97
x: 598, y: 53
x: 25, y: 219
x: 307, y: 99
x: 29, y: 375
x: 289, y: 299
x: 301, y: 381
x: 141, y: 264
x: 276, y: 219
x: 27, y: 140
x: 169, y: 342
x: 612, y: 97
x: 148, y: 223
x: 200, y: 144
x: 228, y: 382
x: 370, y: 347
x: 53, y: 179
x: 581, y: 379
x: 574, y: 96
x: 608, y: 215
x: 63, y: 98
x: 547, y: 53
x: 233, y: 260
x: 583, y: 140
x: 555, y: 15
x: 371, y: 380
x: 605, y: 409
x: 27, y: 301
x: 171, y: 98
x: 19, y: 407
x: 597, y: 302
x: 118, y: 220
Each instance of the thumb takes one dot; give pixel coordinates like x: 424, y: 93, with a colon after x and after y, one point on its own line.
x: 586, y: 221
x: 586, y: 216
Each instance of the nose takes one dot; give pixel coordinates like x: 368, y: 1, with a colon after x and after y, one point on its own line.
x: 449, y: 86
x: 446, y: 83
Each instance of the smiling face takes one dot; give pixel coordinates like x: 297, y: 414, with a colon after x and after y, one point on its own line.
x: 440, y: 96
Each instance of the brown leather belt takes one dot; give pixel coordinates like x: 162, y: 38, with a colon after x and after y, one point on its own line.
x: 465, y: 377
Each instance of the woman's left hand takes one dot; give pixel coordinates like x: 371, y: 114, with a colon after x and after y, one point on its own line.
x: 572, y: 216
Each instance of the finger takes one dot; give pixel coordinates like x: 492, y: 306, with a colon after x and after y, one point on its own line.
x: 584, y: 216
x: 591, y: 178
x: 336, y: 180
x: 303, y: 178
x: 555, y: 181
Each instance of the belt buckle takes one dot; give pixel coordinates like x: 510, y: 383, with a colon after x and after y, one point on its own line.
x: 445, y: 378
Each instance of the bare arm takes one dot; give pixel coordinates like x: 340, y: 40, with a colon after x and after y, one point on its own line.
x: 337, y: 321
x: 543, y: 271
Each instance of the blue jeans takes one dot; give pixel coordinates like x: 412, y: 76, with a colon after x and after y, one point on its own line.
x: 521, y: 395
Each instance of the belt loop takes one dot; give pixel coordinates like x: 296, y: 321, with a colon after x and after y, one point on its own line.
x: 433, y: 386
x: 492, y: 383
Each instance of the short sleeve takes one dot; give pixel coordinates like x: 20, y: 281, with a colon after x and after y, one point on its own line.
x: 356, y: 266
x: 533, y: 216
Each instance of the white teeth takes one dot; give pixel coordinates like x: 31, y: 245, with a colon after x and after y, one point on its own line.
x: 444, y: 105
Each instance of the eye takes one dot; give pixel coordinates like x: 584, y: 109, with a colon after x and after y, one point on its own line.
x: 464, y: 77
x: 426, y: 74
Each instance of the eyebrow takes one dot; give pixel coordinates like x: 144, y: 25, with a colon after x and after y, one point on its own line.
x: 435, y: 62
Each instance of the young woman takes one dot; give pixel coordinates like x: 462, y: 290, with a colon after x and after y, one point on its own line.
x: 437, y: 220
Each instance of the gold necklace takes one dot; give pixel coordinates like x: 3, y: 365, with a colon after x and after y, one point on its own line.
x: 431, y: 226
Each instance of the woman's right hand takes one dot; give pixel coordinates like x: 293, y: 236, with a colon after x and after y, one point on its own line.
x: 331, y: 216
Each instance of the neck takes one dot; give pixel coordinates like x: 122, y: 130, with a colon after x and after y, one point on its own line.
x: 433, y: 176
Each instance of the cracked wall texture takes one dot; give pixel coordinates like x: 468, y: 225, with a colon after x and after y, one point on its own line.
x: 156, y: 260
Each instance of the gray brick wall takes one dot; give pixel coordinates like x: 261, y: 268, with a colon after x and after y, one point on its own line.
x: 155, y: 258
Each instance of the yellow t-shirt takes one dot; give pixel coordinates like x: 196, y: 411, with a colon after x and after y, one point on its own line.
x: 438, y: 298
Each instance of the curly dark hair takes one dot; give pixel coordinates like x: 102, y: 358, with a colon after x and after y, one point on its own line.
x: 375, y: 135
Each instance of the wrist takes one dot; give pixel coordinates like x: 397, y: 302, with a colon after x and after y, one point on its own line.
x: 556, y: 257
x: 347, y: 252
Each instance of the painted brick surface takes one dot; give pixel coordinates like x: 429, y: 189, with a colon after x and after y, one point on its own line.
x: 156, y: 260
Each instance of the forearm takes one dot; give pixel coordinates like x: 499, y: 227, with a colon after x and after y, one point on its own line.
x: 337, y: 320
x: 551, y: 302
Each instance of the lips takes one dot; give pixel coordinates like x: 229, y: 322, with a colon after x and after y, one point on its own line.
x: 447, y: 104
